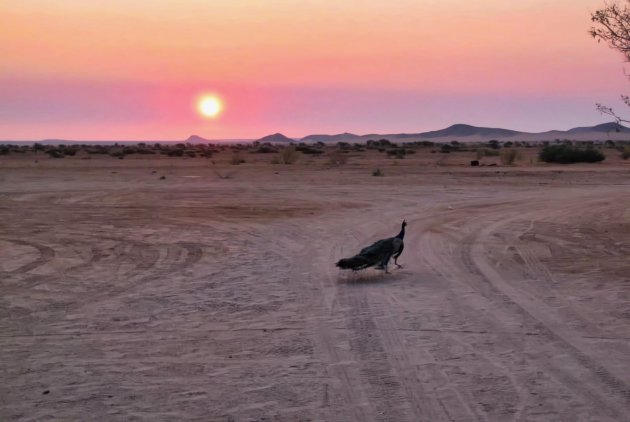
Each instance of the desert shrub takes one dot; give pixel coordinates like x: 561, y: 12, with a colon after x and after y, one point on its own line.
x: 446, y: 148
x: 288, y: 155
x: 625, y: 154
x: 508, y: 156
x: 191, y: 154
x: 54, y: 153
x: 377, y: 173
x: 494, y: 144
x: 337, y: 158
x: 265, y: 149
x: 381, y: 143
x: 305, y: 149
x: 566, y: 154
x: 399, y: 152
x: 4, y: 151
x: 144, y: 151
x: 175, y: 152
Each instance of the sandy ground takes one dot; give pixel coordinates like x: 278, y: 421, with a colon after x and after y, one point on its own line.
x: 126, y: 297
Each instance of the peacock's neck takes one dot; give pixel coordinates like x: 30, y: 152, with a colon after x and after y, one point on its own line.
x: 401, y: 235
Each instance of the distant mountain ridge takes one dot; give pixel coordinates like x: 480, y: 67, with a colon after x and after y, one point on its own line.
x: 330, y: 138
x: 604, y: 127
x: 464, y: 132
x: 456, y: 132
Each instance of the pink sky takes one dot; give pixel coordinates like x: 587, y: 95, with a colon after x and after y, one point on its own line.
x: 132, y: 70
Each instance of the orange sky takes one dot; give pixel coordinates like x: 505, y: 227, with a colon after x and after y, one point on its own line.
x: 131, y: 69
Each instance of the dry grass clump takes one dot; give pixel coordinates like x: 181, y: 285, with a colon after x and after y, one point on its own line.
x: 287, y: 155
x: 378, y: 173
x: 509, y: 156
x: 485, y: 152
x: 337, y: 157
x: 236, y: 159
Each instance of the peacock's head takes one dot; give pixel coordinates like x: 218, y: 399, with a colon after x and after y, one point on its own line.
x: 404, y: 223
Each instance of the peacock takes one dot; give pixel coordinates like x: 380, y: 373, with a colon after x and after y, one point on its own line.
x: 377, y: 254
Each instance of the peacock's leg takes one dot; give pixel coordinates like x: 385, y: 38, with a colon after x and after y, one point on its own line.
x: 385, y: 262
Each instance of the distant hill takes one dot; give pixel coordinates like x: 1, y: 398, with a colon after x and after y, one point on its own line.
x: 611, y: 127
x: 196, y: 139
x: 275, y: 138
x: 461, y: 130
x: 345, y: 137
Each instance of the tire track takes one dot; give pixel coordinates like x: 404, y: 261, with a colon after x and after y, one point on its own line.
x: 535, y: 309
x: 494, y: 288
x: 46, y: 254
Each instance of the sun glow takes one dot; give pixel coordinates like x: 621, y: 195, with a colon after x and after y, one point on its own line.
x: 209, y: 106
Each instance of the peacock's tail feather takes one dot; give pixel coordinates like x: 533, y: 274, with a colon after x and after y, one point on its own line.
x: 357, y: 262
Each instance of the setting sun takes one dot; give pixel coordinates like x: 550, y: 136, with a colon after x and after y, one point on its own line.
x: 209, y: 106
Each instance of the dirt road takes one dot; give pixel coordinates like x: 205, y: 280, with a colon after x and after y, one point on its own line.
x: 126, y: 297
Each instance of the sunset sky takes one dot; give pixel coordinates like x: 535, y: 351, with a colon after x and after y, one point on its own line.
x: 124, y: 69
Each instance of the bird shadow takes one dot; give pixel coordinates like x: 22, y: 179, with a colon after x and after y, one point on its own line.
x: 371, y: 276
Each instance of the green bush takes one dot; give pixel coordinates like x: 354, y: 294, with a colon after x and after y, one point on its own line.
x: 567, y: 154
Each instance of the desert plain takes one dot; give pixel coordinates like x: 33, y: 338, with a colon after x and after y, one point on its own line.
x: 172, y: 289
